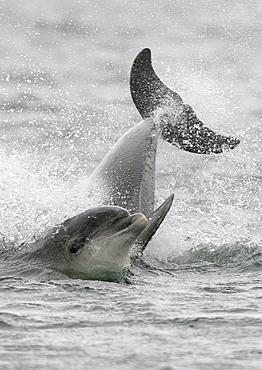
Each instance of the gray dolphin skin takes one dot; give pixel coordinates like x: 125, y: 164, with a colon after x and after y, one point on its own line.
x: 178, y: 121
x: 92, y: 245
x: 97, y: 243
x: 126, y: 178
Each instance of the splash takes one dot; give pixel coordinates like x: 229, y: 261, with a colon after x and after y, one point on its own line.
x: 35, y: 196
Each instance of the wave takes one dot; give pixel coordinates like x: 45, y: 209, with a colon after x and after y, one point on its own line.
x: 238, y: 256
x: 27, y: 102
x: 68, y: 28
x: 34, y: 76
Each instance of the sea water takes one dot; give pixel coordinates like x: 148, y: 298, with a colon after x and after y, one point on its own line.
x: 195, y: 300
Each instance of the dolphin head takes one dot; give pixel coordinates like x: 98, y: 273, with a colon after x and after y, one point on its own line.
x: 94, y: 244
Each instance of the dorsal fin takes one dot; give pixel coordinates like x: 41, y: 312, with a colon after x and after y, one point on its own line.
x: 178, y: 122
x: 155, y: 219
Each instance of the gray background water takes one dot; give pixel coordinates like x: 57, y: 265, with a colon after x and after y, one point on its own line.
x: 64, y: 99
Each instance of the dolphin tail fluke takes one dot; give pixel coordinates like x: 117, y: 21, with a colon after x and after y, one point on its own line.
x: 178, y: 122
x: 155, y: 219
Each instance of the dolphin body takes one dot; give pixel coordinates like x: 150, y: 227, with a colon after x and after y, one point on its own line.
x: 178, y: 122
x: 96, y: 244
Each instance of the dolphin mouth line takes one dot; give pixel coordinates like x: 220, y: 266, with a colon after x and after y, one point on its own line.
x: 128, y: 223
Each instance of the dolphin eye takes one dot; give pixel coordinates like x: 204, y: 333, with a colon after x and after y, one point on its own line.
x: 76, y: 244
x: 74, y: 249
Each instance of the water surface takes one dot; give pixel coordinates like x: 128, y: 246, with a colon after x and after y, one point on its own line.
x: 195, y: 300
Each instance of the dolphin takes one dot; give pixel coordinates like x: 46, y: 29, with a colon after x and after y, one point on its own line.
x: 94, y: 244
x: 178, y: 122
x: 97, y: 243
